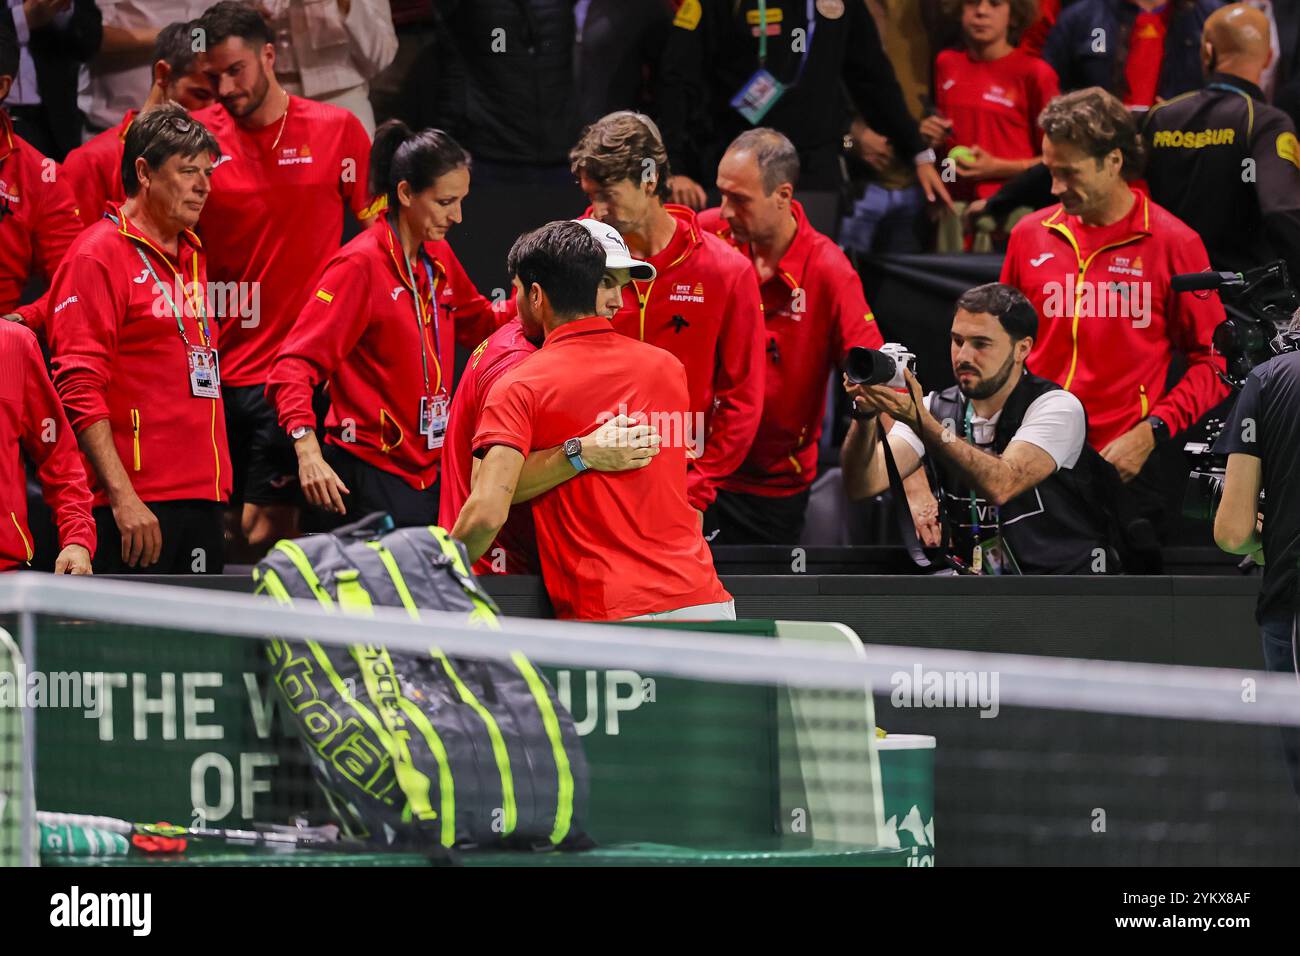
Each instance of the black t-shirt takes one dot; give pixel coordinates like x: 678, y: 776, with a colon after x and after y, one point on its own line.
x: 1266, y: 423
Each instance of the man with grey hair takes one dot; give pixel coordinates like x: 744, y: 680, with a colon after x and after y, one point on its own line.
x: 814, y: 312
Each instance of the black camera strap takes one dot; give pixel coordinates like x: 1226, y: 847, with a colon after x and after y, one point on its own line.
x: 902, y: 511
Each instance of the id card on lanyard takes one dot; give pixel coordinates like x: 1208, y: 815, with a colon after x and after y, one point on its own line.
x: 762, y: 90
x: 435, y: 402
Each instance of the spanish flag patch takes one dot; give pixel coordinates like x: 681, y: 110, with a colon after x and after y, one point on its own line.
x: 324, y: 296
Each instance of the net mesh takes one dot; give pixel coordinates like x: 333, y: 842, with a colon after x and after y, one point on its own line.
x: 756, y: 743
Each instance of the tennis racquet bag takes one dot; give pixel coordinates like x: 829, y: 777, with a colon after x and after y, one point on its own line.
x: 421, y: 750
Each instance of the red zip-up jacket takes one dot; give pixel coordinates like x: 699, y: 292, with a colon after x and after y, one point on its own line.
x: 704, y: 308
x: 359, y: 330
x: 117, y: 355
x: 94, y: 170
x: 814, y: 311
x: 1108, y: 321
x: 32, y: 420
x: 38, y: 221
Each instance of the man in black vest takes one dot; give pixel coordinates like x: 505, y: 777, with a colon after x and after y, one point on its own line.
x: 1020, y: 489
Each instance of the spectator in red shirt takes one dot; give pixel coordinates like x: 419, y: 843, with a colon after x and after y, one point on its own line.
x: 1097, y: 268
x: 612, y: 446
x: 611, y: 546
x: 988, y: 96
x: 382, y: 329
x: 134, y: 353
x: 814, y: 312
x: 94, y: 169
x: 38, y: 218
x: 289, y: 167
x: 703, y: 305
x: 32, y: 421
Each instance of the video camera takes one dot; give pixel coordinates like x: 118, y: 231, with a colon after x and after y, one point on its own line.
x: 1260, y: 303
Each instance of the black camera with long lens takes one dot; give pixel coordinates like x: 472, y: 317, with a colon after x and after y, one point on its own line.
x: 1260, y: 305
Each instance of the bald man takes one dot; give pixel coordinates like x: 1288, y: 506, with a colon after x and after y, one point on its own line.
x: 1223, y: 160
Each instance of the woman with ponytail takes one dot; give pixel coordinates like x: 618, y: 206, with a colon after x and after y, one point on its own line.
x: 381, y: 327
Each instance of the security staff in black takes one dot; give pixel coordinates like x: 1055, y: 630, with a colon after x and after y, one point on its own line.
x: 1224, y: 161
x: 1021, y: 490
x: 732, y: 65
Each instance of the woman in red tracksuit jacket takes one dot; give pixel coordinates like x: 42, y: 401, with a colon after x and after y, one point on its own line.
x: 382, y: 327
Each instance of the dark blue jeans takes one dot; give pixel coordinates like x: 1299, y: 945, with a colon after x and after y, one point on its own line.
x: 1275, y: 631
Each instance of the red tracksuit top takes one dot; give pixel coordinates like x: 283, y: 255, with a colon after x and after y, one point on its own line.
x: 814, y: 311
x: 32, y: 421
x: 94, y: 170
x: 704, y: 308
x: 1094, y: 344
x: 117, y: 355
x: 359, y: 330
x: 38, y: 221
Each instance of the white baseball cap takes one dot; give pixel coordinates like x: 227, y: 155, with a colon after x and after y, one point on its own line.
x: 617, y: 255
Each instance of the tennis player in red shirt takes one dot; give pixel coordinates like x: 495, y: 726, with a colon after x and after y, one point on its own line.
x: 382, y: 328
x: 703, y: 305
x: 612, y: 446
x: 38, y: 218
x: 94, y: 169
x: 988, y: 96
x: 288, y: 167
x: 611, y: 546
x: 32, y: 421
x: 134, y: 353
x: 813, y: 312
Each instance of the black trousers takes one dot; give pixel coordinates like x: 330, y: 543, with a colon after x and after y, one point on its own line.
x: 373, y: 489
x: 736, y: 518
x: 193, y: 539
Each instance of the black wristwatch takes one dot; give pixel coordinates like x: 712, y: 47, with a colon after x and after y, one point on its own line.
x: 1160, y: 428
x: 859, y: 415
x: 573, y: 452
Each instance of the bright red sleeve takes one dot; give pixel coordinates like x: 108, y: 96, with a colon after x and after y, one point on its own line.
x: 83, y: 177
x: 475, y: 316
x: 1044, y: 87
x: 354, y: 183
x: 855, y: 324
x: 324, y: 334
x: 48, y: 439
x: 507, y: 417
x: 737, y: 391
x: 83, y: 329
x: 57, y: 224
x: 1191, y: 319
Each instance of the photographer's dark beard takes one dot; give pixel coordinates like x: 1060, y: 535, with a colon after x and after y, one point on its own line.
x: 988, y: 387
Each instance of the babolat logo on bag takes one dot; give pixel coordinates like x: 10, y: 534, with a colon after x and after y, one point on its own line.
x: 421, y: 750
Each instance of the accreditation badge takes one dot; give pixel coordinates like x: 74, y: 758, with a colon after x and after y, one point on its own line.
x: 757, y: 96
x: 433, y: 419
x: 205, y: 375
x: 994, y: 556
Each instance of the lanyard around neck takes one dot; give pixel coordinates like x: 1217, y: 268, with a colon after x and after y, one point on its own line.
x: 419, y: 311
x: 808, y: 38
x: 200, y: 312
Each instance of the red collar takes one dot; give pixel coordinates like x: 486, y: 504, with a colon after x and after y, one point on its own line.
x: 1136, y: 224
x: 794, y: 262
x: 387, y: 239
x: 587, y: 326
x: 8, y: 141
x: 128, y: 229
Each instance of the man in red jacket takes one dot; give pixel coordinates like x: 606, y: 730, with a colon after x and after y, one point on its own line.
x: 611, y: 546
x: 38, y: 218
x: 1096, y: 268
x: 814, y: 312
x: 288, y: 167
x: 94, y: 169
x: 32, y: 421
x: 703, y: 305
x: 134, y: 353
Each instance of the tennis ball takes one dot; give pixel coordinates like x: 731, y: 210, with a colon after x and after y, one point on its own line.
x: 961, y: 154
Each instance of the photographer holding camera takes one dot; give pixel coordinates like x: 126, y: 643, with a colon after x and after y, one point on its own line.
x: 1019, y: 488
x: 1262, y: 442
